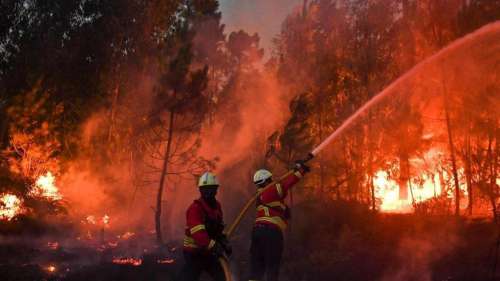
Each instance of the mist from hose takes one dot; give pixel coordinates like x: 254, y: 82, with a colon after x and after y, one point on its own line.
x: 483, y: 31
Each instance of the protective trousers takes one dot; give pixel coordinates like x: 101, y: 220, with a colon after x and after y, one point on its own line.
x: 197, y: 263
x: 266, y: 251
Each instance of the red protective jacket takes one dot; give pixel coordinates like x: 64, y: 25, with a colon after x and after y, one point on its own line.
x: 271, y: 207
x: 203, y: 225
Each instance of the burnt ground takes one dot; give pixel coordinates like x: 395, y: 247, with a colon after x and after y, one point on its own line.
x: 335, y: 242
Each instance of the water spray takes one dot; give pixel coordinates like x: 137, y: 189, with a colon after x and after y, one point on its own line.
x: 492, y: 27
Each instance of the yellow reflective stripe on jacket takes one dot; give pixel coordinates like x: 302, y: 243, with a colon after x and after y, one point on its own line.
x: 276, y: 204
x: 274, y: 220
x: 279, y: 189
x: 189, y: 242
x: 211, y: 244
x: 298, y: 174
x: 197, y: 228
x: 265, y: 209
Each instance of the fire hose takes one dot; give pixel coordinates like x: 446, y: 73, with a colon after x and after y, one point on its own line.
x: 376, y: 99
x: 230, y: 231
x: 224, y: 260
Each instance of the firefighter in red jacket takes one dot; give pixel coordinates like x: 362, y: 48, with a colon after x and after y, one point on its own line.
x: 204, y: 241
x: 272, y: 215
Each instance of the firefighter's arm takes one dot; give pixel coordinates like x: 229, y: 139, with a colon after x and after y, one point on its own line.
x: 197, y: 229
x: 280, y: 189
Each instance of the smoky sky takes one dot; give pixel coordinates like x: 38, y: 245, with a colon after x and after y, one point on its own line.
x: 261, y: 16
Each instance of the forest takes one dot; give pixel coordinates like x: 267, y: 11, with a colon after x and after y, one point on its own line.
x: 111, y: 110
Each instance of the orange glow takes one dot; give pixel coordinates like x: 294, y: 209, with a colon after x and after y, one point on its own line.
x: 45, y: 187
x: 51, y: 268
x: 165, y: 261
x: 10, y: 206
x: 90, y: 219
x: 53, y: 245
x: 105, y: 220
x: 387, y: 190
x: 126, y: 235
x: 129, y: 261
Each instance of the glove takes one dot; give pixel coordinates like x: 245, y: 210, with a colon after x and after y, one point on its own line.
x: 228, y: 249
x: 300, y: 165
x: 218, y: 250
x: 225, y: 244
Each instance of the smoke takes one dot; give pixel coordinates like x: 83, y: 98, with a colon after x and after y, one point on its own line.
x: 416, y: 255
x: 103, y: 180
x: 255, y: 107
x: 257, y: 16
x: 254, y: 113
x: 100, y: 179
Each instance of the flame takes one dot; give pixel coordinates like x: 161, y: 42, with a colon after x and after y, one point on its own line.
x: 129, y: 261
x: 45, y: 187
x: 105, y: 220
x: 126, y: 235
x: 387, y: 190
x: 90, y: 219
x: 165, y: 261
x: 10, y: 206
x: 53, y: 245
x: 51, y: 268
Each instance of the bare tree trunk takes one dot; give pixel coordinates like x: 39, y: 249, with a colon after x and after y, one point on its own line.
x: 468, y: 173
x: 370, y: 160
x: 410, y: 187
x: 372, y: 189
x: 404, y: 175
x: 163, y: 176
x: 452, y: 150
x: 321, y: 157
x: 3, y: 128
x: 492, y: 166
x: 434, y: 184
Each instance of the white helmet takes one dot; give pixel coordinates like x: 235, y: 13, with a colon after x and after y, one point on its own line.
x: 208, y: 180
x: 261, y: 176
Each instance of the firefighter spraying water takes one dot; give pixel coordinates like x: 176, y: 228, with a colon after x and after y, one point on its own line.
x: 269, y: 195
x: 272, y: 216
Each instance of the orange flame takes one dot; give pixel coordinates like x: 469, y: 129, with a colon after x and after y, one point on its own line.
x: 90, y: 219
x: 10, y: 206
x: 387, y: 190
x: 165, y: 261
x: 45, y: 187
x: 129, y: 261
x: 51, y: 268
x: 126, y: 235
x: 53, y: 245
x: 105, y: 220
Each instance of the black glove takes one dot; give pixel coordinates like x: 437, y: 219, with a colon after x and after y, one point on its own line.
x: 225, y: 244
x: 228, y: 249
x: 217, y: 250
x: 300, y: 165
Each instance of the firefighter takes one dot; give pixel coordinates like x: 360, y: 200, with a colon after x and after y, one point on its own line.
x: 271, y: 220
x: 204, y: 240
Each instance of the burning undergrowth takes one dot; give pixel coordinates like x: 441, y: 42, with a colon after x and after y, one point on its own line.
x: 91, y: 247
x: 351, y: 242
x: 95, y: 175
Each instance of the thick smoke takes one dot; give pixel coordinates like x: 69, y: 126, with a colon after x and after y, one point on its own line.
x: 417, y: 254
x: 258, y: 106
x: 253, y: 108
